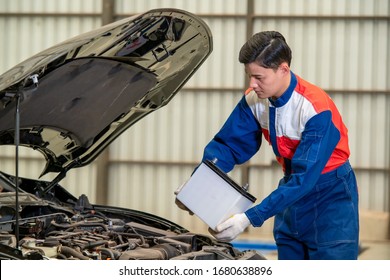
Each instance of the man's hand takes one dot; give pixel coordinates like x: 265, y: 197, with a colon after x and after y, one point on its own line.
x: 231, y: 228
x: 182, y: 206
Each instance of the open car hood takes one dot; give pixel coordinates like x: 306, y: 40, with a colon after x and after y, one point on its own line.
x: 78, y: 96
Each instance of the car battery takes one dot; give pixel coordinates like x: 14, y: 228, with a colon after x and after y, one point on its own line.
x: 213, y: 196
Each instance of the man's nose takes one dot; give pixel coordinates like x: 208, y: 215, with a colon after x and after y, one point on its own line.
x: 252, y: 83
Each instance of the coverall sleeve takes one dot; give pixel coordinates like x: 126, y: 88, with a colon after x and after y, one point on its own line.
x: 318, y: 141
x: 237, y: 141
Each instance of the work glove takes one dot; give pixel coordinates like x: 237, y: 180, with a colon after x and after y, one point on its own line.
x: 231, y: 228
x: 183, y: 207
x: 179, y: 203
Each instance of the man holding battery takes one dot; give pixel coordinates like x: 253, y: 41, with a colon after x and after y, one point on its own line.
x: 316, y: 202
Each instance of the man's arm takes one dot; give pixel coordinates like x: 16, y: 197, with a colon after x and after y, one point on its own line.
x: 237, y: 141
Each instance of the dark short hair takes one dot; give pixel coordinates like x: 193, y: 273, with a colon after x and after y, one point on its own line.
x: 268, y: 49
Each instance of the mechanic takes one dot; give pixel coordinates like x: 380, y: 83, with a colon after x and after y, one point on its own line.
x: 316, y: 202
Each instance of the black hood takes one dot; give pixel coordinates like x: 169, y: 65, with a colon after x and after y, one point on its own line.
x: 78, y: 96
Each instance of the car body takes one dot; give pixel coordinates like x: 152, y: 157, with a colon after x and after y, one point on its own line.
x: 70, y: 102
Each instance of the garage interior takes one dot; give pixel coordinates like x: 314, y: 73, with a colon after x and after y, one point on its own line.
x: 341, y: 45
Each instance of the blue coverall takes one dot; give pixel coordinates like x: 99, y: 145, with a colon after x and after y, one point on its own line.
x: 316, y: 202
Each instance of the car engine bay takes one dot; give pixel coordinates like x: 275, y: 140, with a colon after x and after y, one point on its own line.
x: 76, y: 230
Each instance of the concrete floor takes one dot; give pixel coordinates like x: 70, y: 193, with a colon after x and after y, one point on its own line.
x: 378, y: 250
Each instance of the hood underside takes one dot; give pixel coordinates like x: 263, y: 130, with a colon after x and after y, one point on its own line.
x: 78, y: 96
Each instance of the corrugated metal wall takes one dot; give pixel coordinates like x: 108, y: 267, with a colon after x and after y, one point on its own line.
x: 341, y: 45
x: 30, y: 26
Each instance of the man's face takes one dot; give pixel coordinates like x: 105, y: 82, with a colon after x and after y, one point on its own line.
x: 266, y: 82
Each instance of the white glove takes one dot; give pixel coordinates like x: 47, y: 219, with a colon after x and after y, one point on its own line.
x: 183, y: 207
x: 176, y: 192
x: 231, y: 228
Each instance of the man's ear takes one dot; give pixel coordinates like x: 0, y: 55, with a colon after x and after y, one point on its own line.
x: 284, y: 68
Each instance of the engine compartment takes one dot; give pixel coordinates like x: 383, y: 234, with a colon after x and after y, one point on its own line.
x: 49, y: 230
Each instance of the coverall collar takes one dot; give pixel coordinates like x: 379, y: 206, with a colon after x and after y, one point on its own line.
x: 287, y: 94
